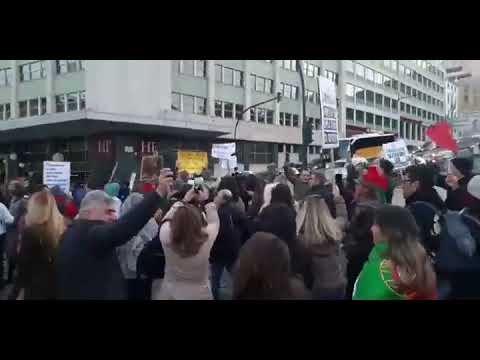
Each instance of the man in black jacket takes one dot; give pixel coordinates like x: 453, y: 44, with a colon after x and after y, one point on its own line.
x: 87, y: 263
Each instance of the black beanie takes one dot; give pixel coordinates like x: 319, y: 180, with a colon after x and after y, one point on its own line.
x: 463, y: 165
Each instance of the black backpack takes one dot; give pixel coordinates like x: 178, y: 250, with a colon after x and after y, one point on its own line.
x: 430, y: 226
x: 151, y: 260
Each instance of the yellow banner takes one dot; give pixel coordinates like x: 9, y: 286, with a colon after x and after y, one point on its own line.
x: 370, y: 152
x: 192, y: 162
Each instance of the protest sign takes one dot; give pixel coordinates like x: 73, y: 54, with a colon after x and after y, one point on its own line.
x: 150, y: 167
x: 193, y: 162
x: 57, y: 173
x: 397, y: 153
x: 328, y: 110
x: 223, y: 151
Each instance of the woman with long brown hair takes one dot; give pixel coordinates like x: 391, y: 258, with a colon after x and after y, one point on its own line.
x: 263, y: 271
x: 187, y: 238
x: 398, y: 267
x: 44, y: 226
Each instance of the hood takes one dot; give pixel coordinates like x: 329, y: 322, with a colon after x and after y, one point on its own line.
x: 112, y: 189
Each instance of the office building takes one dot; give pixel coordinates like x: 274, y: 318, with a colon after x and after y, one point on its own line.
x: 97, y: 113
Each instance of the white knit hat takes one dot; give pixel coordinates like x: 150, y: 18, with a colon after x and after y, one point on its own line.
x: 473, y: 187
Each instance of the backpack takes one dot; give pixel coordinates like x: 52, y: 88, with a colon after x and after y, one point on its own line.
x: 151, y: 260
x: 458, y: 251
x: 430, y: 226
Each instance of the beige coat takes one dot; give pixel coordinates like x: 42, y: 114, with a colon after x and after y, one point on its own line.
x: 187, y: 278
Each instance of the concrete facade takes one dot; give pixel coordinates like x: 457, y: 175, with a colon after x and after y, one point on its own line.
x: 173, y: 98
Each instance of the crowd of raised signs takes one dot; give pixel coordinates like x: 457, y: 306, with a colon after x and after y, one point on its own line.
x: 294, y: 236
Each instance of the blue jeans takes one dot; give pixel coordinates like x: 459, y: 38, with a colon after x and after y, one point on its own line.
x: 216, y: 278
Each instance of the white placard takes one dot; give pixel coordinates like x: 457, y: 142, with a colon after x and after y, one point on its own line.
x: 397, y: 153
x: 57, y: 173
x: 223, y: 151
x: 328, y: 110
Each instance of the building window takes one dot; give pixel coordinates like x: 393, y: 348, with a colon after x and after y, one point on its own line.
x: 290, y: 91
x: 200, y: 68
x: 394, y: 105
x: 289, y: 65
x: 43, y: 103
x: 407, y: 129
x: 378, y: 121
x: 359, y: 116
x: 261, y: 153
x: 176, y: 101
x: 414, y: 110
x: 238, y: 111
x: 424, y: 114
x: 72, y: 102
x: 270, y: 114
x: 318, y: 122
x: 408, y: 108
x: 218, y: 73
x: 288, y: 119
x: 22, y: 109
x: 402, y: 106
x: 281, y: 118
x: 386, y: 102
x: 349, y: 114
x: 228, y: 110
x: 378, y: 78
x: 227, y: 76
x: 386, y: 122
x: 60, y: 103
x: 188, y: 104
x: 349, y: 90
x: 34, y: 109
x: 187, y: 67
x: 295, y: 120
x: 408, y: 72
x: 379, y: 100
x: 394, y: 124
x: 33, y: 71
x: 360, y: 70
x: 369, y: 75
x: 253, y: 115
x: 348, y: 66
x: 201, y: 105
x: 419, y: 112
x: 261, y: 115
x: 262, y: 84
x: 401, y: 69
x: 394, y: 84
x: 402, y: 88
x: 369, y: 118
x: 6, y: 77
x: 359, y: 95
x: 409, y: 91
x: 402, y: 126
x: 386, y: 81
x: 370, y: 97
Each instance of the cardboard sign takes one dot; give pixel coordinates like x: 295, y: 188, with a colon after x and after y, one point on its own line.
x: 193, y: 162
x: 57, y: 173
x: 223, y: 151
x: 397, y: 153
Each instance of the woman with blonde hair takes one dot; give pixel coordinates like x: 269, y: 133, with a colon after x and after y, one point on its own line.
x: 319, y: 237
x: 44, y: 226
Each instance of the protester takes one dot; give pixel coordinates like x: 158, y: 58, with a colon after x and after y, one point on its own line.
x: 281, y: 194
x: 320, y: 236
x: 256, y: 187
x: 87, y: 263
x: 44, y: 226
x: 187, y: 240
x: 319, y: 185
x: 263, y: 271
x: 280, y: 220
x: 423, y: 201
x: 230, y: 183
x: 358, y: 240
x: 458, y: 257
x: 112, y: 190
x: 128, y: 253
x: 78, y: 193
x: 398, y: 267
x: 17, y: 208
x: 386, y: 169
x: 459, y: 174
x: 5, y: 219
x: 233, y: 232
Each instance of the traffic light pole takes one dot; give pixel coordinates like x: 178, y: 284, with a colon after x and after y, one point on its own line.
x: 306, y: 125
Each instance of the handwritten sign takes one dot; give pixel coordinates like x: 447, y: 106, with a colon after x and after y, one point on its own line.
x: 57, y: 173
x: 223, y: 151
x: 397, y: 153
x: 192, y: 162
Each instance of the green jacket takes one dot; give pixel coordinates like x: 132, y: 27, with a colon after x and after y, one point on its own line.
x: 375, y: 281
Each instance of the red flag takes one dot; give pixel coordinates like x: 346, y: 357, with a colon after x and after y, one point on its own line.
x: 442, y: 135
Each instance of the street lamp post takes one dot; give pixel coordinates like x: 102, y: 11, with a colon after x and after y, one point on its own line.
x: 277, y: 98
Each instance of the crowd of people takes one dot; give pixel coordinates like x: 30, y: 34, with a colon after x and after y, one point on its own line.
x: 301, y: 236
